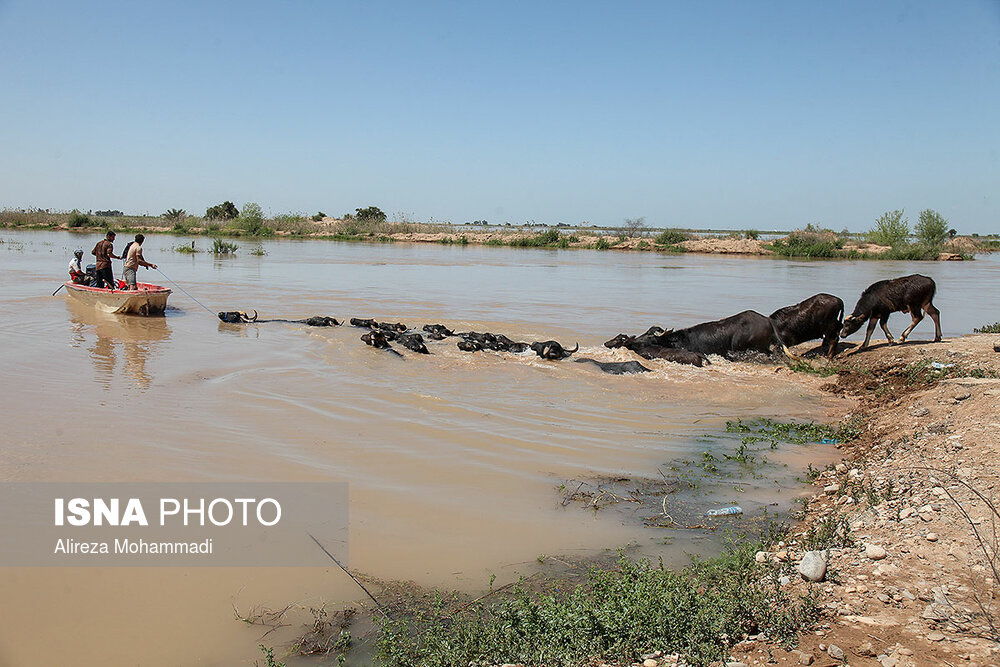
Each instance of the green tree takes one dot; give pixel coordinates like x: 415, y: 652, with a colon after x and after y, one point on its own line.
x: 224, y: 211
x: 890, y: 229
x: 251, y: 220
x: 932, y: 229
x: 370, y: 214
x: 177, y: 214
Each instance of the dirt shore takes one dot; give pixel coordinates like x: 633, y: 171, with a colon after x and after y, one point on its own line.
x: 911, y: 567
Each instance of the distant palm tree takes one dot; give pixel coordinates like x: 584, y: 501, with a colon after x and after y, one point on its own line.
x: 175, y: 214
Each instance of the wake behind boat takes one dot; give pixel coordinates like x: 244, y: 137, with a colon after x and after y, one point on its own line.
x: 148, y: 299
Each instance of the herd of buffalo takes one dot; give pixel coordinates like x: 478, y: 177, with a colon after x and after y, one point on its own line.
x: 818, y: 317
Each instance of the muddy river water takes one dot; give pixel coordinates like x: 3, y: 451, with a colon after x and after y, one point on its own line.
x: 454, y: 460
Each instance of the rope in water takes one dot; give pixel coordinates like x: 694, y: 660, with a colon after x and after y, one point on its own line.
x: 186, y: 292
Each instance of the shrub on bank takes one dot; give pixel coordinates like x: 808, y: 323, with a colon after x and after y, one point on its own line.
x: 671, y: 237
x: 615, y: 616
x: 891, y: 229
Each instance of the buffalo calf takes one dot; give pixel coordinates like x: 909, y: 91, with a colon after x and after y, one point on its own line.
x: 909, y: 294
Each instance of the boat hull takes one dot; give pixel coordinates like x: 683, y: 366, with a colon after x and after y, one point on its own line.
x: 148, y: 299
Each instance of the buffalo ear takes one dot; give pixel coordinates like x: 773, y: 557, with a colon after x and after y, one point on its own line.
x: 667, y: 331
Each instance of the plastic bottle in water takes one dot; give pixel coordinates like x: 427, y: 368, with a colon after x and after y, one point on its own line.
x: 724, y: 511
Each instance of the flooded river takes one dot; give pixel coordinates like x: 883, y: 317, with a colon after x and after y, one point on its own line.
x: 454, y: 460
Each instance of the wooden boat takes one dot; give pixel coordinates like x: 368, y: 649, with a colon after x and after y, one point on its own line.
x: 148, y: 299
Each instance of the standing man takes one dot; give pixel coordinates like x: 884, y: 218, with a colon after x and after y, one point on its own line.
x: 133, y: 260
x: 104, y: 251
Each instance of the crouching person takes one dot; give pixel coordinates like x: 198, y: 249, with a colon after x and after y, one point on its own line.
x: 76, y: 272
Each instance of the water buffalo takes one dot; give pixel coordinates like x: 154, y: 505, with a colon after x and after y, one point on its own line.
x: 237, y: 317
x: 615, y: 367
x: 550, y: 349
x: 645, y: 346
x: 473, y: 341
x: 437, y: 331
x: 744, y: 332
x: 377, y: 339
x: 372, y: 324
x: 413, y: 341
x: 818, y: 316
x: 909, y: 294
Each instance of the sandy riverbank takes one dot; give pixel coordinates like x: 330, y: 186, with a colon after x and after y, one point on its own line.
x: 910, y: 576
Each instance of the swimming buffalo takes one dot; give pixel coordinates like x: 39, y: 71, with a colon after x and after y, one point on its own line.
x: 615, y: 367
x: 413, y: 341
x: 437, y: 331
x: 731, y: 337
x: 818, y: 316
x: 645, y: 346
x: 552, y: 350
x: 909, y: 294
x: 473, y: 341
x: 237, y: 317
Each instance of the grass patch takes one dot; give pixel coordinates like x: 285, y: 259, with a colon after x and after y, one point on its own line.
x: 186, y: 249
x: 220, y: 247
x: 617, y: 615
x: 830, y: 532
x: 988, y: 328
x: 769, y: 430
x: 602, y: 244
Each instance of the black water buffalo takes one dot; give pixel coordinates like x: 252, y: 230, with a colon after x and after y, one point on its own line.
x: 645, y: 346
x: 369, y: 323
x: 437, y: 331
x: 376, y: 338
x: 413, y: 341
x: 909, y: 294
x: 550, y: 349
x: 473, y: 341
x: 744, y: 332
x: 237, y: 317
x: 818, y: 316
x: 615, y: 367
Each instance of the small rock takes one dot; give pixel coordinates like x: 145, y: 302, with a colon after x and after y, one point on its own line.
x: 931, y: 537
x: 804, y: 658
x: 835, y: 652
x: 875, y: 552
x: 920, y: 412
x: 832, y: 489
x: 882, y: 597
x: 866, y: 650
x: 649, y: 662
x: 935, y: 636
x: 812, y: 567
x: 962, y: 395
x: 905, y: 651
x: 760, y: 556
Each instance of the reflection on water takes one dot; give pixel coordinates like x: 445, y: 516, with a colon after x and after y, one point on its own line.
x: 109, y: 338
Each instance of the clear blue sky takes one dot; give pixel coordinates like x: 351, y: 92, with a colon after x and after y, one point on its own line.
x: 717, y: 114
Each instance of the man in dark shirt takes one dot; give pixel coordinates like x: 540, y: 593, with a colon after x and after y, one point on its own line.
x: 104, y: 251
